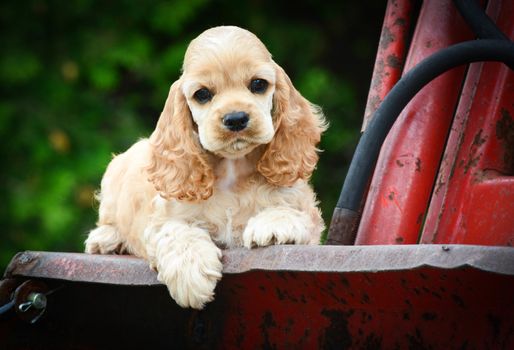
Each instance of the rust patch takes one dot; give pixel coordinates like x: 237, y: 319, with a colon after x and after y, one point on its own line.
x: 474, y: 158
x: 280, y: 294
x: 390, y: 196
x: 440, y: 183
x: 452, y: 170
x: 416, y: 340
x: 372, y: 342
x: 418, y: 164
x: 398, y: 240
x: 479, y: 140
x: 375, y: 99
x: 378, y: 75
x: 26, y: 259
x: 471, y: 163
x: 505, y: 133
x: 289, y: 326
x: 337, y: 335
x: 386, y: 38
x: 400, y: 22
x: 400, y: 163
x: 429, y: 316
x: 267, y: 323
x: 458, y: 300
x: 437, y: 295
x: 394, y: 62
x: 344, y: 281
x: 461, y: 162
x: 365, y: 298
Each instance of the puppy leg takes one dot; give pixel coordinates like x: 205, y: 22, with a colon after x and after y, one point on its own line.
x: 279, y: 225
x: 104, y: 240
x: 187, y: 261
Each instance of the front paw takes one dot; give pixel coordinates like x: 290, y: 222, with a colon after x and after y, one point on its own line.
x: 104, y: 240
x: 191, y: 271
x: 277, y: 226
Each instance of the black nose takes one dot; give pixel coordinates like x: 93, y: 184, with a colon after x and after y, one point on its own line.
x: 236, y: 121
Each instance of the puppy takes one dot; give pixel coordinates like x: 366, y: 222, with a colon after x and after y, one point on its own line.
x: 227, y: 166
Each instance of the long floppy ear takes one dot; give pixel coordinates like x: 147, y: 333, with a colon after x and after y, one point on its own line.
x: 179, y: 167
x: 292, y: 154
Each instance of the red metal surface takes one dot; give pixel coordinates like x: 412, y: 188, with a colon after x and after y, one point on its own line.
x: 388, y: 67
x: 392, y: 49
x: 378, y: 297
x: 301, y: 296
x: 404, y: 176
x: 473, y: 201
x: 416, y: 309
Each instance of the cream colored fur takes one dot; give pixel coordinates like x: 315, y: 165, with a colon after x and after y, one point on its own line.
x: 194, y: 187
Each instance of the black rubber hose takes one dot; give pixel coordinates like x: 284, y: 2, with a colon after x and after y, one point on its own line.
x: 7, y: 307
x: 477, y: 19
x: 366, y: 154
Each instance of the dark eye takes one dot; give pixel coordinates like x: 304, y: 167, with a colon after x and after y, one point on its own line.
x: 203, y: 95
x: 258, y: 86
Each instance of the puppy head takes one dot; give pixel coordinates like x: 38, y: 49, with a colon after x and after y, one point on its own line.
x: 231, y: 98
x: 229, y: 81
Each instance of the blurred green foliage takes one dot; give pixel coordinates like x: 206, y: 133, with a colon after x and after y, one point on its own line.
x: 82, y: 79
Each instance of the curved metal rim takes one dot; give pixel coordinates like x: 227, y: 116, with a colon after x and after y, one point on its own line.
x: 129, y: 270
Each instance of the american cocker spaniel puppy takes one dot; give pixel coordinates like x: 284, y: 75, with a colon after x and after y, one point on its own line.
x: 227, y: 166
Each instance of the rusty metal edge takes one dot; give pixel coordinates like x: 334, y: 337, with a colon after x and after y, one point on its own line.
x: 129, y: 270
x: 79, y: 267
x: 370, y: 258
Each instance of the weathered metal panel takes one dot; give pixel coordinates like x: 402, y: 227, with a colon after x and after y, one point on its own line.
x: 422, y: 308
x: 407, y: 166
x: 473, y: 200
x: 389, y: 63
x: 422, y: 297
x: 112, y: 269
x: 128, y: 270
x: 392, y: 49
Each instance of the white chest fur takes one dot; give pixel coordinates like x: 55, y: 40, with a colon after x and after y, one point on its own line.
x: 228, y: 176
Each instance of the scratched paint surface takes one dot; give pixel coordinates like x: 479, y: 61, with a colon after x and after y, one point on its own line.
x: 424, y: 308
x: 420, y: 309
x: 407, y: 166
x: 473, y: 199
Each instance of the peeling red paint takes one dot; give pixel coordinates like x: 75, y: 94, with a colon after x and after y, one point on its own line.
x: 390, y: 59
x: 298, y: 297
x: 410, y: 156
x: 474, y: 198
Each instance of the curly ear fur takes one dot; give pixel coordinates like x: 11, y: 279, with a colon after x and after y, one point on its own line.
x: 292, y: 154
x: 179, y: 166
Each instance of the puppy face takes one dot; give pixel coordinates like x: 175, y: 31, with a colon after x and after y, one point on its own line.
x: 229, y: 80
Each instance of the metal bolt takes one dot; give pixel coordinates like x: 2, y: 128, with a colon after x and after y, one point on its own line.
x: 35, y: 300
x: 38, y: 300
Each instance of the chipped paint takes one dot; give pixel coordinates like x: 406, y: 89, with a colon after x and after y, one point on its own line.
x: 505, y: 133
